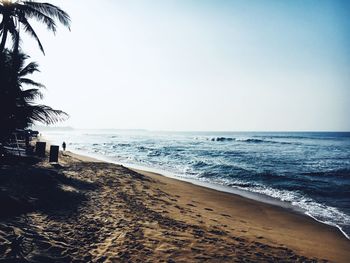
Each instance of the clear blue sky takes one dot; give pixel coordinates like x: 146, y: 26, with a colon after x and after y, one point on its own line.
x: 200, y: 65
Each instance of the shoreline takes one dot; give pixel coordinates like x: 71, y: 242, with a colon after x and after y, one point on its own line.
x: 257, y: 197
x: 87, y: 209
x: 283, y: 226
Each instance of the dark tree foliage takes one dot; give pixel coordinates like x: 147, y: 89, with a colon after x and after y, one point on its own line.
x: 18, y: 92
x: 17, y: 13
x: 18, y: 109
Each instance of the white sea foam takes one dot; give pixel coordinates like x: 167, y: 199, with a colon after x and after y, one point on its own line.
x: 254, y: 163
x: 322, y: 213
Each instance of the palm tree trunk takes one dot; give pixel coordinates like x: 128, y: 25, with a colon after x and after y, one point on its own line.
x: 3, y: 41
x: 4, y: 29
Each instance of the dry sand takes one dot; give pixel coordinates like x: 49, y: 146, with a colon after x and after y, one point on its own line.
x: 84, y: 210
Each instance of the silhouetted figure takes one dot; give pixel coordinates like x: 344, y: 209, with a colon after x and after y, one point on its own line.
x: 64, y: 146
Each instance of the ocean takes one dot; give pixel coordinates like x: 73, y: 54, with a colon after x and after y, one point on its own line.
x: 308, y: 171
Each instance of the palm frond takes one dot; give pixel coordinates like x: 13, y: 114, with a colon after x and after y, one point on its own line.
x: 46, y: 114
x: 17, y: 60
x: 28, y: 28
x: 51, y: 11
x: 15, y: 37
x: 29, y: 69
x: 30, y: 12
x: 22, y: 11
x: 31, y: 82
x: 31, y: 94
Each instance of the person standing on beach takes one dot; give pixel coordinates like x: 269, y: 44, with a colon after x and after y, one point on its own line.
x: 64, y: 146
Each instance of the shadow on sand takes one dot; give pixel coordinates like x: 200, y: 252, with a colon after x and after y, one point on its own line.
x: 25, y: 187
x: 37, y: 208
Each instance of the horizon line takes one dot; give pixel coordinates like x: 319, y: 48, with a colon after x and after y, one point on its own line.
x: 155, y: 130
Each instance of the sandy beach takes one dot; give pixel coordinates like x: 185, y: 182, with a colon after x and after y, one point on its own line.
x: 85, y: 210
x: 222, y: 129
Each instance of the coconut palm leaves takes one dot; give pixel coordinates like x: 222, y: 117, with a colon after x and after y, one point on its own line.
x: 17, y: 103
x: 18, y: 13
x: 18, y: 92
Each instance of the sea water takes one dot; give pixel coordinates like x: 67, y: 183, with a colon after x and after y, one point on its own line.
x: 308, y: 170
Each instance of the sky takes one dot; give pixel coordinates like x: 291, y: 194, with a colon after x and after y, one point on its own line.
x: 199, y: 65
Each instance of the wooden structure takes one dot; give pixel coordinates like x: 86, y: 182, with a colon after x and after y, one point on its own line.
x: 40, y: 149
x: 54, y: 154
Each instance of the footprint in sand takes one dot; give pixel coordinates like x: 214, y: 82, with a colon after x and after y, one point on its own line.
x: 225, y: 215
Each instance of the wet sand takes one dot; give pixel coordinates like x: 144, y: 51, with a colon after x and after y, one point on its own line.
x: 85, y: 210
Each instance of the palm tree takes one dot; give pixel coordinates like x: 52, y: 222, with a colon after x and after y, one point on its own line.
x: 17, y: 104
x: 16, y: 14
